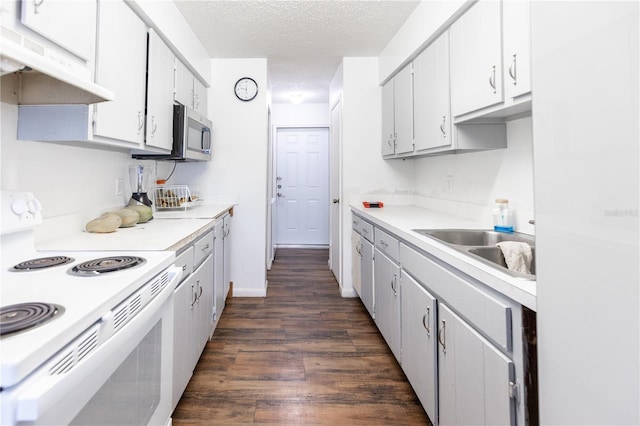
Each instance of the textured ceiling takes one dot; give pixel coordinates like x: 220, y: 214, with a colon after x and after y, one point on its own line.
x: 303, y: 40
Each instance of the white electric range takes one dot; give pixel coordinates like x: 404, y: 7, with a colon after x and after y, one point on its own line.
x: 89, y: 318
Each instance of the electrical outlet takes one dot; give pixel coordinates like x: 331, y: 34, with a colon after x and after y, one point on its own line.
x: 119, y: 187
x: 449, y: 183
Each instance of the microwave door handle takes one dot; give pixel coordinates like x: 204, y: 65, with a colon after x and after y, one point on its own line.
x: 205, y: 142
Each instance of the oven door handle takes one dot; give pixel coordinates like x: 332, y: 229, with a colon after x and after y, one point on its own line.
x: 59, y: 398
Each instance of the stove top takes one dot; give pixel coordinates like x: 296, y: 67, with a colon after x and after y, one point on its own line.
x: 80, y: 301
x: 24, y: 316
x: 41, y: 263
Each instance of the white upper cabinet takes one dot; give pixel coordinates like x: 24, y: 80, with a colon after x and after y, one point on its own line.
x: 476, y: 58
x: 190, y: 91
x: 432, y: 104
x: 69, y: 24
x: 516, y: 25
x: 397, y: 113
x: 388, y: 139
x: 122, y: 53
x: 159, y: 128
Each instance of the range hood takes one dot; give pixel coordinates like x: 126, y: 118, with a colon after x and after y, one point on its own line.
x: 43, y: 81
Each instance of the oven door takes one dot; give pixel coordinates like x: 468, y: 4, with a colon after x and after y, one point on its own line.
x: 125, y: 381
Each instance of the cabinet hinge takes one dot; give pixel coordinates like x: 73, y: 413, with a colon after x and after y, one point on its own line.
x: 513, y: 390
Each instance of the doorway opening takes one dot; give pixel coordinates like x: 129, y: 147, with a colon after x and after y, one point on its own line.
x: 301, y: 213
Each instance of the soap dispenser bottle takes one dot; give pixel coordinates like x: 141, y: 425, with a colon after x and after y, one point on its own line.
x: 502, y: 216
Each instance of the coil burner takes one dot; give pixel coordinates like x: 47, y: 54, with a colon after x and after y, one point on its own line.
x: 41, y: 263
x: 23, y: 316
x: 106, y: 264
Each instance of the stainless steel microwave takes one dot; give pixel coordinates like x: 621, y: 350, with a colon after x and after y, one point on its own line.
x: 191, y: 137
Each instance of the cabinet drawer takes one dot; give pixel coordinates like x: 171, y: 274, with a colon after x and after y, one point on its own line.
x: 386, y: 244
x: 362, y: 227
x: 185, y: 261
x: 488, y: 312
x: 203, y: 247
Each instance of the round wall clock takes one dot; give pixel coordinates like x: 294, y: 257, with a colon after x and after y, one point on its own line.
x: 246, y: 89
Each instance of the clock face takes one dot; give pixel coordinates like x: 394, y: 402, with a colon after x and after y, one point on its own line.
x: 246, y: 89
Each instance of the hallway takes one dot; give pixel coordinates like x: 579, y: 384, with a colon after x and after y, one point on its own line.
x: 302, y: 355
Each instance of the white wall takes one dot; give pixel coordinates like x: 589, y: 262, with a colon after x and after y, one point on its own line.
x: 365, y: 175
x: 587, y: 168
x: 301, y: 115
x: 416, y: 33
x: 468, y: 184
x: 237, y: 171
x: 66, y: 179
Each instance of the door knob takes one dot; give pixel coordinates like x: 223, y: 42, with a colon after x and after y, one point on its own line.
x: 336, y: 200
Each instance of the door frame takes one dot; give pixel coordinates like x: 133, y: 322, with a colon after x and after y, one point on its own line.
x: 272, y: 183
x: 335, y: 175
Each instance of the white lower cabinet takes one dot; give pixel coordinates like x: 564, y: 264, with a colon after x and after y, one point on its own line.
x: 386, y: 278
x: 460, y: 343
x: 193, y: 311
x: 418, y: 331
x: 475, y: 379
x: 362, y: 262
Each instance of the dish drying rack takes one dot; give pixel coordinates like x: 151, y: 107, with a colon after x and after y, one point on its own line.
x: 174, y: 197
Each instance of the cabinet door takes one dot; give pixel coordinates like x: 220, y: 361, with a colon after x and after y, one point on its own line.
x: 160, y: 73
x: 121, y: 67
x: 476, y: 58
x: 388, y: 140
x: 386, y: 285
x: 366, y: 275
x: 184, y: 85
x: 403, y: 106
x: 432, y: 105
x: 200, y: 102
x: 227, y: 254
x: 204, y: 285
x: 183, y: 337
x: 516, y: 21
x: 356, y: 263
x: 218, y: 269
x: 418, y: 331
x: 69, y: 24
x: 473, y: 376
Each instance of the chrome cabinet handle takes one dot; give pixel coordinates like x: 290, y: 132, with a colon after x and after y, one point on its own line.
x: 365, y: 231
x: 512, y: 70
x: 389, y: 140
x: 205, y: 247
x: 194, y: 297
x: 140, y: 122
x: 442, y: 337
x: 184, y: 267
x: 154, y: 126
x: 426, y: 319
x: 393, y: 281
x: 196, y: 101
x: 444, y: 119
x: 384, y: 243
x: 200, y: 292
x: 492, y: 79
x: 36, y: 5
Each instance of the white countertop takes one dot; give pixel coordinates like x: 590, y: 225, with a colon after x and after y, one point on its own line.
x: 400, y: 220
x: 168, y: 230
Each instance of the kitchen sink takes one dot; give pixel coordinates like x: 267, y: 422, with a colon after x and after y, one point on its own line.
x: 493, y: 256
x: 475, y: 237
x: 481, y: 245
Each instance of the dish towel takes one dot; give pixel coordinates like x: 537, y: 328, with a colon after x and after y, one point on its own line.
x: 517, y: 255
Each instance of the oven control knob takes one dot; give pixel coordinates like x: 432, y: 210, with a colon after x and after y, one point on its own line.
x: 34, y: 206
x: 19, y: 206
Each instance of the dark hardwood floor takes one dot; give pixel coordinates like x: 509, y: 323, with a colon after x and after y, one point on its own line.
x: 302, y: 355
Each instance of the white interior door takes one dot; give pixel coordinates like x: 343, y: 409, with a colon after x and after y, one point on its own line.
x: 334, y: 189
x: 302, y: 186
